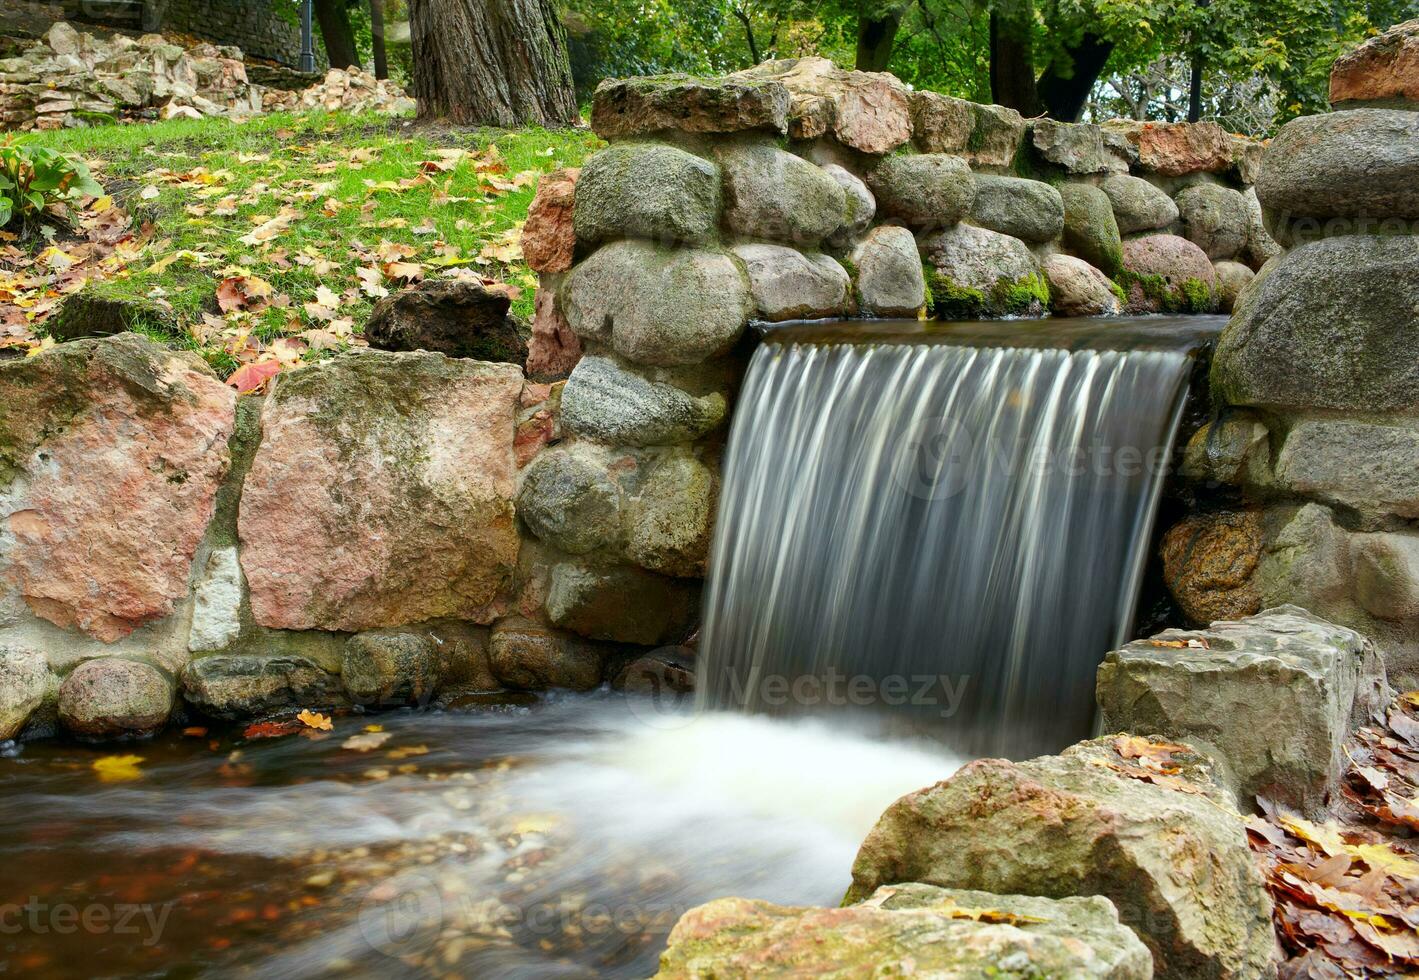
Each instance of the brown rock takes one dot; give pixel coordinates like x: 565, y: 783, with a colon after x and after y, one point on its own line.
x: 458, y: 317
x: 111, y: 452
x: 548, y: 237
x: 1076, y: 288
x: 658, y: 103
x: 1208, y: 561
x: 533, y: 658
x: 1383, y: 71
x: 868, y: 111
x: 382, y: 493
x: 1175, y: 149
x: 554, y: 348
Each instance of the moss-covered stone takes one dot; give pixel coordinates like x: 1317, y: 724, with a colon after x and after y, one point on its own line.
x: 90, y: 312
x: 1090, y: 229
x: 647, y: 190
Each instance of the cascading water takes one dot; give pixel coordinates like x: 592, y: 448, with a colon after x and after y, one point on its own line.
x: 947, y: 532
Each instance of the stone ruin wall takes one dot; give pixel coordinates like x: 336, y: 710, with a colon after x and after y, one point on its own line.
x: 251, y: 25
x: 1307, y: 480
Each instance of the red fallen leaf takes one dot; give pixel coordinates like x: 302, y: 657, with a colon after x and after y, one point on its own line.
x: 243, y: 293
x: 249, y: 377
x: 272, y: 729
x: 196, y: 731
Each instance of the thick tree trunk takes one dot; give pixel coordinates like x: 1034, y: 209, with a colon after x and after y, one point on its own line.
x: 491, y: 62
x: 381, y: 60
x: 335, y: 30
x: 876, y: 35
x: 1194, y: 90
x: 1012, y: 59
x: 1065, y: 86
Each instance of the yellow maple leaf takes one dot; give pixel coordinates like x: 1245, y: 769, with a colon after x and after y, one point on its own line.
x: 118, y: 768
x: 314, y: 719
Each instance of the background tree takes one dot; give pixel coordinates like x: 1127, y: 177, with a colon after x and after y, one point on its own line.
x: 491, y: 62
x: 333, y: 17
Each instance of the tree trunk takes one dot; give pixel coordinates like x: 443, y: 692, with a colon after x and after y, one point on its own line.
x: 336, y: 32
x: 876, y: 35
x: 1065, y: 86
x: 491, y: 62
x: 381, y: 60
x: 1012, y: 59
x: 1194, y: 90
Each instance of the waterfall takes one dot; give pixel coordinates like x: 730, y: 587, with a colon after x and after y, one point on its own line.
x: 943, y: 536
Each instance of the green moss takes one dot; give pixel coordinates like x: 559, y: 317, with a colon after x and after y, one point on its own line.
x: 1027, y: 295
x: 1117, y: 290
x: 949, y: 300
x: 1198, y: 297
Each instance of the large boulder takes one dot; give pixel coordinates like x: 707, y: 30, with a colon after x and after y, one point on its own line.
x: 1233, y: 449
x: 549, y: 234
x: 1079, y: 148
x: 929, y: 190
x: 861, y: 205
x: 24, y: 683
x: 1167, y: 274
x: 868, y: 111
x: 772, y: 194
x: 533, y: 658
x: 1076, y: 288
x: 1330, y: 327
x: 1143, y: 824
x: 1386, y: 570
x: 1272, y: 697
x: 985, y: 135
x: 457, y: 317
x: 1372, y: 469
x: 390, y: 667
x: 618, y: 603
x: 659, y: 306
x: 1261, y: 247
x: 1208, y: 563
x: 670, y: 515
x: 235, y: 686
x: 613, y: 404
x: 982, y: 273
x: 382, y: 493
x: 788, y: 285
x: 1030, y: 210
x: 110, y: 698
x: 569, y: 500
x: 647, y: 190
x: 890, y: 281
x: 1090, y: 229
x: 111, y: 453
x: 1384, y: 71
x: 1342, y: 173
x: 1214, y: 218
x: 1138, y: 204
x: 640, y: 106
x: 1177, y: 149
x: 908, y: 930
x: 1232, y: 278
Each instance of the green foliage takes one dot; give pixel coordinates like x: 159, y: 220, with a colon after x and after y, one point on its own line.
x: 34, y: 177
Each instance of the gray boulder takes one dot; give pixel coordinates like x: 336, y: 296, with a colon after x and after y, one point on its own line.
x: 1234, y: 449
x: 1138, y: 204
x: 861, y: 205
x: 908, y: 930
x: 670, y: 515
x: 640, y: 106
x: 620, y: 603
x: 890, y: 281
x: 1168, y: 851
x: 1232, y: 278
x: 647, y: 191
x: 1372, y: 469
x: 930, y: 190
x: 24, y: 682
x: 1305, y: 561
x: 1272, y: 698
x: 568, y: 500
x: 1341, y: 173
x: 1030, y: 210
x: 533, y: 658
x: 612, y: 404
x: 1214, y: 218
x: 392, y: 666
x: 982, y: 273
x: 1076, y: 288
x: 772, y: 194
x: 110, y: 698
x: 1330, y: 326
x: 1090, y: 230
x: 788, y: 285
x: 1261, y: 247
x: 985, y: 135
x: 1386, y: 570
x: 1079, y: 148
x: 248, y: 686
x: 449, y: 316
x: 658, y: 306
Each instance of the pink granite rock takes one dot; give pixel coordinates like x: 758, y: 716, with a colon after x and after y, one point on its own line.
x: 1167, y: 274
x: 554, y: 348
x: 868, y: 111
x: 382, y: 493
x: 1384, y: 71
x: 1175, y: 149
x: 111, y: 452
x: 548, y: 238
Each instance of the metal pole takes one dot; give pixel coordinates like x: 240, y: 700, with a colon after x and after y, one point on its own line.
x: 307, y: 36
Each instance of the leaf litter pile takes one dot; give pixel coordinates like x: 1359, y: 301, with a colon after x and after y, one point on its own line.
x: 266, y: 244
x: 1347, y: 891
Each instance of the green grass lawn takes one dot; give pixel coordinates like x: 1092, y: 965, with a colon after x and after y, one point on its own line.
x: 346, y: 192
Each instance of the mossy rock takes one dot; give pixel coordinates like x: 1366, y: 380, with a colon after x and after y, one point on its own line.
x: 91, y: 313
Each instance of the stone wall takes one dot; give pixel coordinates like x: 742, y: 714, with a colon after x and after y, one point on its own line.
x: 252, y: 25
x: 1308, y: 479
